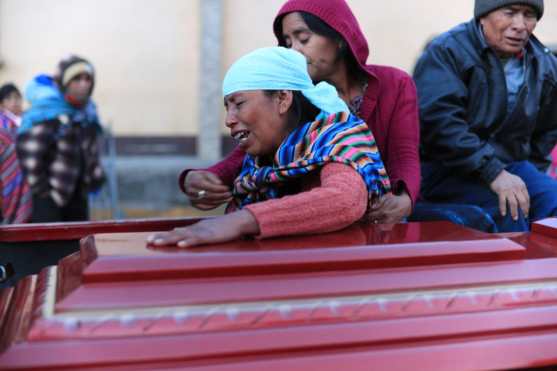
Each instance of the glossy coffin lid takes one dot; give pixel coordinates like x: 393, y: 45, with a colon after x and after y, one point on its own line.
x: 415, y: 296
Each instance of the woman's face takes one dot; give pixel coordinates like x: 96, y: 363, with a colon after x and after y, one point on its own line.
x: 322, y: 54
x: 257, y: 121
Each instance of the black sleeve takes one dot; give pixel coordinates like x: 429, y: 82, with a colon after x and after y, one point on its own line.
x: 445, y: 133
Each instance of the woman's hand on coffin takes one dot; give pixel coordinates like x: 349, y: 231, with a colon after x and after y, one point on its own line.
x: 214, y: 230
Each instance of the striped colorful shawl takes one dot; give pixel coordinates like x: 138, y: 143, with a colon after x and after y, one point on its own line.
x: 341, y: 137
x: 16, y: 195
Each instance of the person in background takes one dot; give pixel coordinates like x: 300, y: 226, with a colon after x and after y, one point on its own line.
x: 309, y: 165
x: 488, y: 109
x: 327, y: 33
x: 11, y: 103
x: 58, y: 142
x: 15, y: 193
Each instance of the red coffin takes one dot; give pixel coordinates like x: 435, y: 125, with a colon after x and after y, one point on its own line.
x: 418, y: 296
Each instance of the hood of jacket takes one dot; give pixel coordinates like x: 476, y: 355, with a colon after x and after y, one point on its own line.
x: 337, y: 14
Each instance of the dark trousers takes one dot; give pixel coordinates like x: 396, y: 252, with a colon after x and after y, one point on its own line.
x: 471, y: 191
x: 45, y: 210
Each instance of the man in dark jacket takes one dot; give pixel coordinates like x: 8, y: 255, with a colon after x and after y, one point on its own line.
x: 488, y: 101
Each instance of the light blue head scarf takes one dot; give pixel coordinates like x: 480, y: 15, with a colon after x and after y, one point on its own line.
x: 278, y: 68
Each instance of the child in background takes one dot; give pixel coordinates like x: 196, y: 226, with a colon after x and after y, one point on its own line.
x: 14, y: 191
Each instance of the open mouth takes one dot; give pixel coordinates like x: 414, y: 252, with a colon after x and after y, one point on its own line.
x: 241, y: 136
x: 516, y: 41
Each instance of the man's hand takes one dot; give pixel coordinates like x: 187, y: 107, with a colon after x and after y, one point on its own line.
x: 391, y: 208
x: 206, y: 190
x: 220, y: 229
x: 512, y: 193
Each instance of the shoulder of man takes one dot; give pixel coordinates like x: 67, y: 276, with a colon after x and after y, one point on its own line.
x: 458, y: 47
x: 458, y: 38
x: 544, y: 54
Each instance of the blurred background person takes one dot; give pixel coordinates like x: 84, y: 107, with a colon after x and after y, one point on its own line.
x: 11, y: 104
x: 15, y: 193
x: 58, y: 142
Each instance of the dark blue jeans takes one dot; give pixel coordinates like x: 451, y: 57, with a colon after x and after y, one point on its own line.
x: 471, y: 191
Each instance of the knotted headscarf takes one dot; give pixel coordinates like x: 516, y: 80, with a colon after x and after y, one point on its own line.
x: 278, y: 68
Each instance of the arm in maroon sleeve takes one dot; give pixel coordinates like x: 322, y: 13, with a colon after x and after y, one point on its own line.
x: 403, y: 142
x: 227, y: 169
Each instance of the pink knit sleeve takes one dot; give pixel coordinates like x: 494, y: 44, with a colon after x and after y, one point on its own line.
x: 339, y: 201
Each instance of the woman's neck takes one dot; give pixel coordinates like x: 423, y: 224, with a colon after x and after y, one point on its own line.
x: 348, y: 88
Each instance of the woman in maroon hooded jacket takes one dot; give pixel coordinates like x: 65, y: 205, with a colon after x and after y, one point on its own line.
x: 328, y: 35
